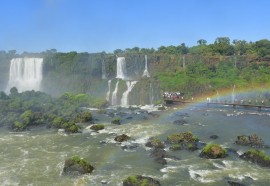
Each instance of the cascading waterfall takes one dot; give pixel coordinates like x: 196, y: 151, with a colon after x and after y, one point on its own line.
x: 25, y: 74
x: 125, y: 100
x: 114, y: 94
x: 121, y: 68
x: 145, y: 72
x: 103, y: 70
x: 109, y: 91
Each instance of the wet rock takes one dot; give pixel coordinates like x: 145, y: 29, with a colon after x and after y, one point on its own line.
x: 139, y: 180
x: 233, y: 183
x: 129, y: 118
x: 213, y: 151
x: 213, y: 137
x: 180, y: 122
x: 185, y: 140
x: 77, y: 166
x: 116, y: 120
x: 256, y: 156
x: 252, y: 140
x: 121, y: 138
x: 97, y: 127
x: 159, y: 155
x: 129, y: 146
x: 155, y: 142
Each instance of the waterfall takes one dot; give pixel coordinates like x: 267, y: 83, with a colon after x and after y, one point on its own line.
x: 125, y: 100
x: 25, y: 74
x: 233, y: 94
x: 121, y: 68
x: 218, y: 100
x: 103, y: 70
x: 109, y: 91
x: 114, y: 94
x: 145, y: 72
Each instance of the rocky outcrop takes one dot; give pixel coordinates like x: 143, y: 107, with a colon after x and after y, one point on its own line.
x: 97, y: 127
x: 213, y: 151
x: 116, y: 120
x: 213, y: 137
x: 252, y: 140
x: 139, y: 180
x: 77, y: 166
x: 180, y: 122
x: 121, y: 138
x: 155, y: 143
x: 256, y: 156
x: 233, y: 183
x: 185, y: 140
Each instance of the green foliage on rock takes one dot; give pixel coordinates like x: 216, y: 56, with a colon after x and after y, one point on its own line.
x: 116, y: 120
x: 77, y: 165
x: 182, y: 137
x: 97, y: 127
x: 140, y: 181
x: 213, y: 151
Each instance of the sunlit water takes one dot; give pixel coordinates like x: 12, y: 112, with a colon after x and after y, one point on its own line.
x: 37, y: 157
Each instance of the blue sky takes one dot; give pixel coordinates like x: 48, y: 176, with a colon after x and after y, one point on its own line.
x: 106, y: 25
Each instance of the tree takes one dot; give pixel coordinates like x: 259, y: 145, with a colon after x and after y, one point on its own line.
x: 222, y: 46
x: 202, y: 42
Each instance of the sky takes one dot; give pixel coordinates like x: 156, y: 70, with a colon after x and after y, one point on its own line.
x: 106, y: 25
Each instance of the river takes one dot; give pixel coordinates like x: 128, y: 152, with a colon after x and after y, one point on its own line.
x: 37, y: 157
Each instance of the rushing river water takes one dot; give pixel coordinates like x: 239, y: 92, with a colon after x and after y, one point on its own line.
x: 37, y: 157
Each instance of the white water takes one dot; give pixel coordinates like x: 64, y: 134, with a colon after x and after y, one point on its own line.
x: 103, y: 70
x: 25, y: 74
x: 145, y: 72
x: 109, y: 91
x: 121, y: 68
x: 125, y: 100
x: 114, y: 94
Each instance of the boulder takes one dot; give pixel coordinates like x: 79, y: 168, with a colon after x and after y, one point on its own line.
x: 213, y: 151
x: 180, y: 122
x: 121, y: 138
x: 213, y: 137
x: 233, y: 183
x: 185, y: 140
x: 256, y: 156
x: 155, y: 142
x: 77, y: 166
x: 97, y: 127
x: 252, y: 140
x: 139, y: 180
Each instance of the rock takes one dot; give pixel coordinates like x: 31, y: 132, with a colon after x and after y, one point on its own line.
x: 155, y: 142
x: 256, y: 156
x: 213, y: 137
x: 180, y: 122
x: 77, y: 166
x: 159, y: 155
x: 129, y: 117
x: 139, y: 180
x: 116, y: 120
x: 97, y: 127
x: 185, y: 140
x: 129, y: 146
x: 213, y: 151
x: 252, y: 140
x: 103, y: 182
x: 233, y: 183
x: 121, y: 138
